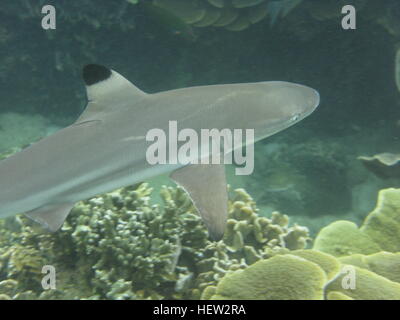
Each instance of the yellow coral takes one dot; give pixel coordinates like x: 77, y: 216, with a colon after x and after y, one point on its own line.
x: 383, y: 224
x: 368, y: 286
x: 283, y: 277
x: 328, y: 263
x: 335, y: 295
x: 309, y: 274
x: 342, y: 238
x: 385, y: 264
x: 379, y: 232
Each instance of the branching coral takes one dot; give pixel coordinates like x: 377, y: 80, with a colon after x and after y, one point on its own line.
x: 248, y: 238
x: 120, y: 246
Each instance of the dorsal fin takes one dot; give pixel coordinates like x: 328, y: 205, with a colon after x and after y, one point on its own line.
x: 106, y: 89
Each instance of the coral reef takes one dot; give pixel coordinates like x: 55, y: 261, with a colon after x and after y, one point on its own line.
x: 342, y: 238
x: 313, y: 275
x: 369, y: 286
x: 368, y: 255
x: 110, y: 246
x: 248, y: 238
x: 120, y: 246
x: 379, y: 232
x: 283, y: 277
x: 382, y: 225
x: 383, y: 263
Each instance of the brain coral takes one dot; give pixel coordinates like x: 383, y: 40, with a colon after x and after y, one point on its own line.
x: 379, y: 232
x: 283, y: 277
x: 312, y: 275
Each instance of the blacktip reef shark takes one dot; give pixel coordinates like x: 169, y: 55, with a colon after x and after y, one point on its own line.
x: 105, y: 148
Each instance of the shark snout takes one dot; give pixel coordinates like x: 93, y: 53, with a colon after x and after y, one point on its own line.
x: 314, y: 99
x: 302, y: 100
x: 293, y: 100
x: 310, y: 101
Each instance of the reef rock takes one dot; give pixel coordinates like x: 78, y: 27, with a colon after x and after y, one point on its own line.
x: 384, y: 165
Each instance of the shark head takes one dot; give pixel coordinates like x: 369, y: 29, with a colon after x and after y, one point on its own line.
x: 270, y: 107
x: 282, y: 105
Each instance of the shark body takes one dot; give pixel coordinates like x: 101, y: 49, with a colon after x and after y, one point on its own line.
x: 105, y: 148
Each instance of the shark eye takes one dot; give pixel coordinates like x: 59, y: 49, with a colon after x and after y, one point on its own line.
x: 295, y: 117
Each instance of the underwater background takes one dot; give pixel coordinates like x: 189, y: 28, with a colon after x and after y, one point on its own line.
x: 324, y: 193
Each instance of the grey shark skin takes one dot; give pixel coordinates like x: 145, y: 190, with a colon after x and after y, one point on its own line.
x: 105, y: 148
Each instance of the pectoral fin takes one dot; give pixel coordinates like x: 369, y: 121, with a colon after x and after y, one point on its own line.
x: 206, y: 186
x: 51, y: 216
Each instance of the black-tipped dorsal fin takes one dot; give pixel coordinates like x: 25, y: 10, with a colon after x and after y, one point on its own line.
x: 106, y: 89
